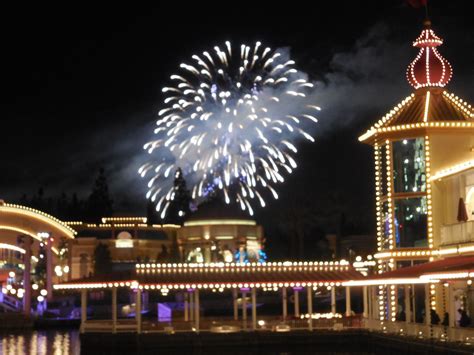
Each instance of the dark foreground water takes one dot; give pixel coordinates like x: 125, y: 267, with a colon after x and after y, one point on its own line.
x: 48, y: 342
x: 65, y: 342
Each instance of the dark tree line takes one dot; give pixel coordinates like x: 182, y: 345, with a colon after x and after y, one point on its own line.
x: 71, y: 207
x: 179, y: 209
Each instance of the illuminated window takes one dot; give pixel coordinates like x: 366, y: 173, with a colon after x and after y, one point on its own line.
x: 411, y: 222
x: 409, y: 165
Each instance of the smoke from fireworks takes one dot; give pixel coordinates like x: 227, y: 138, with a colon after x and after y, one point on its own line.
x: 231, y: 121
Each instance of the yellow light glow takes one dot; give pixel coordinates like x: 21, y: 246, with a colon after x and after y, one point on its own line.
x: 220, y: 222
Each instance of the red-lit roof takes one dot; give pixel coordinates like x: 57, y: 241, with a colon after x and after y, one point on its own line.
x: 454, y: 264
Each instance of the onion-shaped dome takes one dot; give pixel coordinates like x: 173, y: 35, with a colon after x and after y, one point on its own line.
x: 429, y: 68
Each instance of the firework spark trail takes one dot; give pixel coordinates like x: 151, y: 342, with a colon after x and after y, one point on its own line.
x: 230, y: 121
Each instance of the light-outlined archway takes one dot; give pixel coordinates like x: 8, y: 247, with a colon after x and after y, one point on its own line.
x: 33, y: 228
x: 32, y: 222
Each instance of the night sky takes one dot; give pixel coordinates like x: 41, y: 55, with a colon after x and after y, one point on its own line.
x: 82, y: 87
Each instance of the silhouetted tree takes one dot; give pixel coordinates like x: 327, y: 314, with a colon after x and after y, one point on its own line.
x: 296, y: 221
x: 76, y: 208
x: 62, y: 207
x: 179, y: 207
x: 38, y: 200
x: 102, y: 260
x: 24, y: 200
x: 151, y: 214
x: 99, y: 203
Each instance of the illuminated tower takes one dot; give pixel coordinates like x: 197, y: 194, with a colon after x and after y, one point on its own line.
x: 417, y: 145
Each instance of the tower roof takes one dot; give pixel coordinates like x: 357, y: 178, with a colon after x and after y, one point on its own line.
x: 430, y: 106
x: 429, y: 68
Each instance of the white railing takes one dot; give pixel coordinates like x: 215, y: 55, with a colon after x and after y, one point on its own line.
x: 457, y: 233
x: 421, y: 330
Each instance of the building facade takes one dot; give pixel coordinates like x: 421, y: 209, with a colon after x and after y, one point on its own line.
x: 128, y: 239
x: 218, y: 232
x: 424, y: 180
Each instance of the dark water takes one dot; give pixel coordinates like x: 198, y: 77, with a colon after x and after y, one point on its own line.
x: 49, y: 342
x: 67, y: 342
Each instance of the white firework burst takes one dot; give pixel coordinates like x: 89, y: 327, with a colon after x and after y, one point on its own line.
x: 230, y: 121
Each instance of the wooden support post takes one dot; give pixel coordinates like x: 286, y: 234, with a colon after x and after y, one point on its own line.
x: 297, y: 303
x: 284, y: 296
x: 186, y: 314
x: 138, y: 310
x: 49, y: 268
x: 348, y: 301
x: 427, y: 305
x: 333, y: 299
x: 83, y: 309
x: 114, y: 309
x: 407, y: 303
x: 451, y: 306
x: 196, y: 308
x: 191, y: 306
x: 235, y: 304
x: 244, y: 309
x: 254, y: 309
x: 310, y: 307
x: 27, y: 277
x: 366, y: 302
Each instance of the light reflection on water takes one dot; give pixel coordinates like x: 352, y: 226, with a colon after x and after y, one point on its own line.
x: 40, y: 342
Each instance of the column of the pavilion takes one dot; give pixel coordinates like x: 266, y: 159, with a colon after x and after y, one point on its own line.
x: 186, y: 314
x: 309, y: 293
x: 191, y: 305
x: 452, y: 306
x: 348, y: 301
x: 27, y: 277
x: 49, y: 268
x: 427, y: 305
x: 413, y: 304
x: 83, y: 309
x: 196, y: 309
x: 114, y: 309
x: 333, y: 299
x: 297, y: 302
x: 370, y: 303
x: 407, y: 304
x: 284, y: 295
x: 235, y: 304
x: 138, y: 309
x: 365, y: 313
x: 244, y: 309
x: 254, y: 308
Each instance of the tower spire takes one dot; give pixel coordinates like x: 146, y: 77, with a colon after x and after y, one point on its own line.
x: 429, y: 68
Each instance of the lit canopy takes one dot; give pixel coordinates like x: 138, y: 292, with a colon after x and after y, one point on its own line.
x: 223, y: 275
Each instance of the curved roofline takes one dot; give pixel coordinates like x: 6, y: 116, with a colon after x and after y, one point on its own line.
x: 41, y: 216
